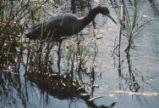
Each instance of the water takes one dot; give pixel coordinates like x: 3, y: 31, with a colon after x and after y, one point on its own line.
x: 140, y: 75
x: 134, y: 85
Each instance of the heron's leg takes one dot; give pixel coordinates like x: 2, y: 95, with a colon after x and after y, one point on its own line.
x: 59, y: 56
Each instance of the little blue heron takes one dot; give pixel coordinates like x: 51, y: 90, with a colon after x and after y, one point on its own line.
x: 66, y: 24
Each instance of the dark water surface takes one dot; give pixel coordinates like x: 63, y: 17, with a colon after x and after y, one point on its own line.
x: 134, y: 85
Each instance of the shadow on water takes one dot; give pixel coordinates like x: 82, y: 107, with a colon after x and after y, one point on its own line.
x: 127, y: 25
x: 133, y: 21
x: 37, y: 73
x: 38, y: 64
x: 64, y: 70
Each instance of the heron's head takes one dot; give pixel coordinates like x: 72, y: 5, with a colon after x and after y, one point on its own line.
x: 105, y: 11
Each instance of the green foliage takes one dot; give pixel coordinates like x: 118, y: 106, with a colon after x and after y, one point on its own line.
x: 39, y: 55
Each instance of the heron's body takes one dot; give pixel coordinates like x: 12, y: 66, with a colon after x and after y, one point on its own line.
x: 56, y: 27
x: 64, y: 25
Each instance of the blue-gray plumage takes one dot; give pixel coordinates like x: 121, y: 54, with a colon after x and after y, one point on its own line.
x: 66, y: 25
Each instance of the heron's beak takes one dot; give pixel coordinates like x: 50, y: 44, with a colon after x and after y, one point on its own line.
x: 111, y: 18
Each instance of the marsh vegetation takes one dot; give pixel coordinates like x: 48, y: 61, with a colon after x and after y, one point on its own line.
x: 102, y: 65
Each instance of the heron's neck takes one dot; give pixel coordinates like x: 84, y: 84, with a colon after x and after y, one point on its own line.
x: 84, y: 21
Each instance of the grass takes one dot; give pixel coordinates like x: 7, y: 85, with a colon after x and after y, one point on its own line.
x: 71, y: 57
x: 40, y: 59
x: 40, y: 55
x: 131, y: 23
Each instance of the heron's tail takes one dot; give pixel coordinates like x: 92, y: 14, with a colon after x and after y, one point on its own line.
x: 35, y: 33
x: 32, y: 35
x: 29, y: 36
x: 113, y: 104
